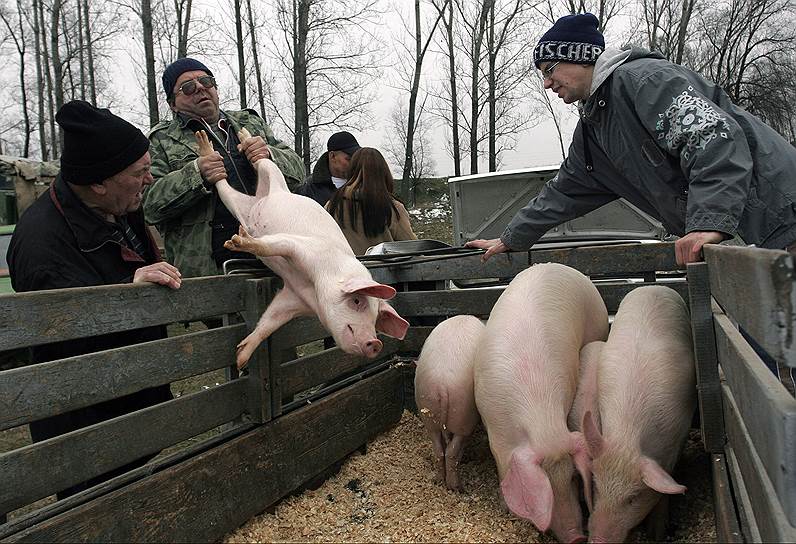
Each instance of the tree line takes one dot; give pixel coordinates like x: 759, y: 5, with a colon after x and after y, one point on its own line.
x: 310, y: 66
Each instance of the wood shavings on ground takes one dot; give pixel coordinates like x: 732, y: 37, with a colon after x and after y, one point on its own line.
x: 389, y: 495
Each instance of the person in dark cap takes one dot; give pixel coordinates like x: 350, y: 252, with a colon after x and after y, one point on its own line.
x: 183, y: 203
x: 662, y: 137
x: 87, y: 230
x: 332, y: 169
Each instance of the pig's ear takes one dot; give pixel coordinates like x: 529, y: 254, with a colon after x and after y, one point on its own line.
x: 390, y: 323
x: 594, y: 440
x: 527, y: 490
x: 580, y: 454
x: 368, y: 287
x: 653, y: 475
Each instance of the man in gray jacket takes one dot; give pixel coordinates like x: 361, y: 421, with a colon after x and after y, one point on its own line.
x: 662, y: 137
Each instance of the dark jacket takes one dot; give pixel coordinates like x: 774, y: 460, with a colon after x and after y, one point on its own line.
x: 318, y: 186
x: 59, y: 243
x: 672, y: 143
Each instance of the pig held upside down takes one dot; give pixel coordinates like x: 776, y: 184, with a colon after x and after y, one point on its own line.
x: 297, y: 239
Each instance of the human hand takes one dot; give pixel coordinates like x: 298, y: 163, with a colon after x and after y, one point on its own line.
x: 211, y: 167
x: 254, y: 148
x: 161, y: 273
x: 688, y: 249
x: 492, y: 247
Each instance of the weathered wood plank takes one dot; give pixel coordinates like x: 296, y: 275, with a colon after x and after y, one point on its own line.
x: 259, y: 294
x: 613, y: 260
x: 37, y: 391
x: 91, y: 451
x: 759, y: 294
x: 22, y: 522
x: 41, y: 317
x: 707, y: 366
x: 301, y: 374
x: 727, y: 527
x: 767, y: 409
x: 769, y: 516
x: 301, y: 330
x: 479, y: 301
x: 204, y: 498
x: 743, y: 503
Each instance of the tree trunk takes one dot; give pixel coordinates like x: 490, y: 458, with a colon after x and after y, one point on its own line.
x: 457, y: 154
x: 149, y: 59
x: 478, y: 38
x: 67, y: 66
x: 255, y: 58
x: 492, y: 91
x: 410, y: 124
x: 183, y: 24
x: 241, y: 59
x: 45, y: 155
x: 92, y: 85
x: 55, y: 55
x: 81, y: 52
x: 301, y: 13
x: 682, y: 31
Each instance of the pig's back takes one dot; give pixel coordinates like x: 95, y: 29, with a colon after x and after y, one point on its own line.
x: 444, y: 374
x: 646, y: 375
x: 526, y: 367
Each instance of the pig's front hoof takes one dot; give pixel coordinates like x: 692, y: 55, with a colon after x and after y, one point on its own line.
x: 244, y: 353
x: 234, y: 244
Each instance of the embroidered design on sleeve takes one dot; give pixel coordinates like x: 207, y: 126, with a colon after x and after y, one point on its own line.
x: 690, y: 123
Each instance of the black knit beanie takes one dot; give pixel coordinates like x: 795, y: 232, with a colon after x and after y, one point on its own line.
x: 573, y: 38
x: 97, y: 143
x: 176, y: 69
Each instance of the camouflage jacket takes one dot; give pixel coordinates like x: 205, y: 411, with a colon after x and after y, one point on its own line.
x: 180, y: 205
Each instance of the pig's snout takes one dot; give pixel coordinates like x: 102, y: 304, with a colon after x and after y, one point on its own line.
x: 372, y: 348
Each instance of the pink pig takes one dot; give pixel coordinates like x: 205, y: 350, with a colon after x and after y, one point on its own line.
x: 646, y: 396
x: 526, y: 372
x: 444, y: 391
x: 297, y: 239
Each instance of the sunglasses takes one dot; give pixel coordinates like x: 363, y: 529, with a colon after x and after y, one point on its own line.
x: 548, y: 72
x: 189, y: 87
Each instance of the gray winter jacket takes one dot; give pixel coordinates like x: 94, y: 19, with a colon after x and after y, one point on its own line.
x: 670, y: 142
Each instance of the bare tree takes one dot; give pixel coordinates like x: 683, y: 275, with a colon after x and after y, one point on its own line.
x: 92, y: 84
x: 43, y: 144
x: 256, y: 58
x: 452, y: 120
x: 241, y: 57
x: 149, y: 60
x: 16, y: 31
x: 509, y: 56
x: 410, y: 73
x: 328, y: 57
x: 182, y: 9
x: 394, y: 143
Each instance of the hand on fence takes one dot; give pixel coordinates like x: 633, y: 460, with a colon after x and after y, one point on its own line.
x: 492, y: 247
x: 688, y: 249
x: 161, y: 273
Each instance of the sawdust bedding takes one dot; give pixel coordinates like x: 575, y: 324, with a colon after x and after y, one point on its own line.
x: 389, y: 495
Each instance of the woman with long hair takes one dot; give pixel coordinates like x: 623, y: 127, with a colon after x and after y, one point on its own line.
x: 365, y: 208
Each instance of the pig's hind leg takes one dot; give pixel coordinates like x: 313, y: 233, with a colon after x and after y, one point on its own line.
x: 270, y: 245
x: 453, y: 456
x: 285, y: 306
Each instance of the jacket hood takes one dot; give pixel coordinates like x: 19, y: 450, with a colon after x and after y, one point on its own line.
x: 320, y: 172
x: 613, y: 58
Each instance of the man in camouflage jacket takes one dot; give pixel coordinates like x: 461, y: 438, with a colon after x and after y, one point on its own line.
x: 183, y: 203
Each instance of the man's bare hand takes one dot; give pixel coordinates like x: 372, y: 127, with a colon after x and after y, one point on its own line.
x: 492, y: 247
x: 688, y: 249
x: 255, y: 149
x: 211, y: 167
x: 161, y: 273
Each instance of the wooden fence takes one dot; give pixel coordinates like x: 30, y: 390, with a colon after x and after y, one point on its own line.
x: 276, y: 437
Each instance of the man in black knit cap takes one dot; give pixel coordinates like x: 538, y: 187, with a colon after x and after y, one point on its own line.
x: 88, y: 230
x: 331, y: 170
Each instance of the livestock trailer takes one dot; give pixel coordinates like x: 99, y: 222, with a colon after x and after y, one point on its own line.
x: 254, y: 438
